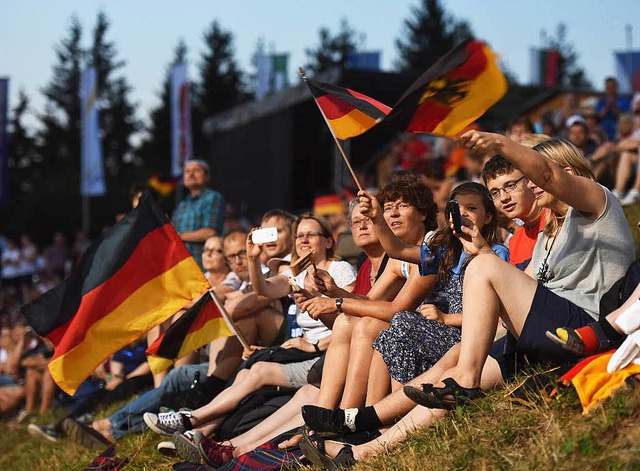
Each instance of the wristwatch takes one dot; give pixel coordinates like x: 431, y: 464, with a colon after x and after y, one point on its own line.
x: 315, y: 345
x: 339, y: 302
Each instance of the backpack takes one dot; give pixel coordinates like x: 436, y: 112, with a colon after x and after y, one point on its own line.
x: 621, y: 290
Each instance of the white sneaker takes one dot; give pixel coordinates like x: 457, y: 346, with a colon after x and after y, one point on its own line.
x: 616, y: 194
x: 167, y: 423
x: 632, y: 197
x: 22, y: 415
x: 187, y: 447
x: 167, y: 448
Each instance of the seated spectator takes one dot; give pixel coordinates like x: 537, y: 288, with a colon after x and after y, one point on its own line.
x: 288, y: 416
x: 587, y: 230
x: 518, y: 128
x: 311, y: 233
x: 610, y: 107
x: 628, y: 148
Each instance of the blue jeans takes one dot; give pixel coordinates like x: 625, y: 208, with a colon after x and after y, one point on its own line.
x: 129, y: 418
x: 6, y: 380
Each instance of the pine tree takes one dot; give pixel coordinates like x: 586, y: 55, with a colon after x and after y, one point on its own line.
x: 332, y: 51
x: 220, y: 84
x: 571, y: 73
x: 155, y: 148
x: 61, y: 122
x: 429, y: 33
x: 117, y: 113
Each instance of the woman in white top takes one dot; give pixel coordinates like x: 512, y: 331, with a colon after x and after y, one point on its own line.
x: 310, y: 233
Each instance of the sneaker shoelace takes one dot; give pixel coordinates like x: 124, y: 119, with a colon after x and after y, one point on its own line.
x: 216, y: 453
x: 173, y: 419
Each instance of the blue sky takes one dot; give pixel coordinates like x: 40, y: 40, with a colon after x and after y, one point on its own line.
x: 146, y: 32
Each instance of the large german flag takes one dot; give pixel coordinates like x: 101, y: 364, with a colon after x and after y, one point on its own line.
x: 453, y: 93
x: 202, y: 323
x: 347, y: 112
x: 132, y: 279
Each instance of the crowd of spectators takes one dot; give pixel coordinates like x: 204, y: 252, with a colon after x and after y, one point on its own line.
x: 367, y: 318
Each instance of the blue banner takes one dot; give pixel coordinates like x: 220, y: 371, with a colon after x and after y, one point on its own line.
x: 91, y: 167
x: 181, y: 146
x: 4, y: 140
x: 628, y: 71
x: 364, y: 60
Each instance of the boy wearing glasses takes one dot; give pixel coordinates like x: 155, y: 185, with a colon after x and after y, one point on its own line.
x: 513, y: 198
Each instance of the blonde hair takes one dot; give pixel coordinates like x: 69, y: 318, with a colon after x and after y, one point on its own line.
x: 325, y: 229
x: 564, y: 154
x: 532, y: 140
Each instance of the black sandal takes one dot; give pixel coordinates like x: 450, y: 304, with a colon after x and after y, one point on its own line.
x: 448, y: 397
x: 313, y: 448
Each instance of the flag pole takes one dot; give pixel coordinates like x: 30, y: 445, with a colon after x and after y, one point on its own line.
x: 230, y: 322
x: 335, y: 139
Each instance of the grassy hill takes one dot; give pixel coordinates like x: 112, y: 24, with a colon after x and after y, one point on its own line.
x: 498, y: 432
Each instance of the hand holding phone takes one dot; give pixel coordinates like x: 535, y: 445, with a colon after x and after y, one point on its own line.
x: 453, y: 208
x: 264, y: 235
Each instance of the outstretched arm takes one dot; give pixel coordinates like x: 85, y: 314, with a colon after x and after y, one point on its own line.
x: 578, y: 192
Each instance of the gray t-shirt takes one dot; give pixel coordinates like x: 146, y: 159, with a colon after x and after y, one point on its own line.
x: 588, y: 257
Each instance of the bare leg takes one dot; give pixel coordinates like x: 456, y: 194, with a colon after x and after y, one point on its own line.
x: 418, y: 417
x: 364, y: 333
x: 378, y: 386
x: 48, y: 392
x: 285, y: 418
x: 335, y: 363
x: 32, y: 379
x: 492, y: 288
x: 10, y: 397
x: 623, y: 172
x: 189, y: 359
x: 225, y: 355
x: 269, y: 321
x: 261, y: 374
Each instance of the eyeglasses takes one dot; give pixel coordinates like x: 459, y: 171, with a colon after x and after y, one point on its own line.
x: 397, y: 206
x: 211, y: 251
x: 309, y: 235
x: 509, y: 187
x: 359, y: 222
x: 236, y: 257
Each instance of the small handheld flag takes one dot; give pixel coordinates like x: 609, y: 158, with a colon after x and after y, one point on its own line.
x: 346, y: 112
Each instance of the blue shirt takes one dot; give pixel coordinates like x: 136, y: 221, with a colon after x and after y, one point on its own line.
x: 193, y: 213
x: 448, y: 296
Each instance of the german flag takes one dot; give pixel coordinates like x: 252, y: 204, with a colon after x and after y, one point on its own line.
x: 452, y: 94
x: 347, y: 112
x: 202, y: 323
x: 135, y: 277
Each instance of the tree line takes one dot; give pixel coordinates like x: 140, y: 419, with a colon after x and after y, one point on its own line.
x: 44, y: 165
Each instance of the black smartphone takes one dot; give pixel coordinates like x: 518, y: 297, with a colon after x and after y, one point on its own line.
x: 453, y: 208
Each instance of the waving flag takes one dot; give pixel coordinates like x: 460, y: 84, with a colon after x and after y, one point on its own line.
x: 347, y: 112
x: 202, y: 323
x: 453, y: 93
x: 135, y: 277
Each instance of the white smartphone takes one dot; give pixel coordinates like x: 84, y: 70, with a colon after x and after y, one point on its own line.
x: 264, y: 235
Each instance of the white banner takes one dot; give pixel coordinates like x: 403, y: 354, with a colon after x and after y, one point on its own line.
x: 91, y: 168
x: 181, y: 148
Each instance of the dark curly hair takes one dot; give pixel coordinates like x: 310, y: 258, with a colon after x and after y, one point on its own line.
x: 411, y: 188
x: 496, y: 166
x: 446, y: 238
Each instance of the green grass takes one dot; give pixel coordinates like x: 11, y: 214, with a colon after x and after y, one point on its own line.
x: 494, y: 433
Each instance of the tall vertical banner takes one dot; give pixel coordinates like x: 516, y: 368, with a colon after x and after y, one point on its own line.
x: 628, y: 70
x: 181, y: 144
x: 4, y: 140
x: 91, y: 168
x: 545, y: 67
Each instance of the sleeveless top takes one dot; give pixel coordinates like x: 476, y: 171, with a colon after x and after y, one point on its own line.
x: 588, y: 257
